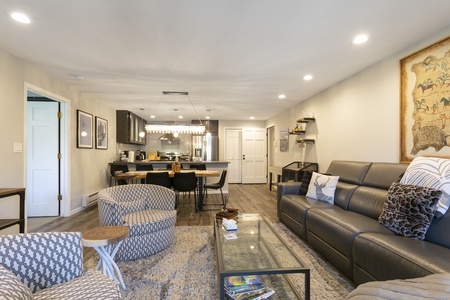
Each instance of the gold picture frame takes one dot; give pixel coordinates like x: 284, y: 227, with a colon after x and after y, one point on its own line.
x: 425, y: 102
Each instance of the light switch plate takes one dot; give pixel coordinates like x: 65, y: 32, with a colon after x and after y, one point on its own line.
x: 17, y: 147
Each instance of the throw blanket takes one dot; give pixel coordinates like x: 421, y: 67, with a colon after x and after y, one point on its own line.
x: 435, y: 286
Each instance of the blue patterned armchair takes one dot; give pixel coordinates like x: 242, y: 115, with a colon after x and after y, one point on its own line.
x: 49, y: 266
x: 147, y: 210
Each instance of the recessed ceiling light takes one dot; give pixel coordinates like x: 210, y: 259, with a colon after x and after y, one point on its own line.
x: 360, y: 39
x: 180, y: 117
x: 252, y: 118
x: 20, y: 17
x: 308, y: 77
x: 282, y: 96
x: 207, y: 117
x: 152, y: 117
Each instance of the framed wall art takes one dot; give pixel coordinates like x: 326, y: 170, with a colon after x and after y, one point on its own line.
x: 84, y: 129
x: 425, y: 102
x: 101, y: 133
x: 284, y: 140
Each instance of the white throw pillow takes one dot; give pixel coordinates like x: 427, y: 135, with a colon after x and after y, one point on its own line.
x: 322, y: 187
x: 434, y: 173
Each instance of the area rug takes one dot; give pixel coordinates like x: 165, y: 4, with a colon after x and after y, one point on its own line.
x: 187, y: 269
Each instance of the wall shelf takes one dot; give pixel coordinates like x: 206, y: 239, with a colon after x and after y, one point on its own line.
x: 302, y: 131
x: 306, y: 120
x: 305, y: 141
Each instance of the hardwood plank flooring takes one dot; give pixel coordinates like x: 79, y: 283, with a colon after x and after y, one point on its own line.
x: 251, y: 198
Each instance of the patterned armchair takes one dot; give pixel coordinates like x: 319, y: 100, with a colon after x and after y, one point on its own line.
x: 49, y: 266
x: 147, y: 210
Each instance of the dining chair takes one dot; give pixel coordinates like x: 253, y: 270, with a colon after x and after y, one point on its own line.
x: 217, y: 186
x: 120, y: 181
x: 159, y: 178
x: 185, y: 182
x: 114, y: 168
x: 144, y: 167
x: 197, y: 166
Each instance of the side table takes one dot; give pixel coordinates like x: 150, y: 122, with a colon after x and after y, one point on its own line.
x: 106, y: 241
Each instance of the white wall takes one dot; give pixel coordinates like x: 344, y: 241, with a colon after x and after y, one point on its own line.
x: 356, y: 119
x: 87, y: 167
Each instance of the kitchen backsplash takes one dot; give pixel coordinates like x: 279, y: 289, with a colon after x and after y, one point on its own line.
x: 154, y: 144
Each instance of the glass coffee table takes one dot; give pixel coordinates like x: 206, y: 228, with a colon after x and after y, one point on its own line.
x: 258, y: 250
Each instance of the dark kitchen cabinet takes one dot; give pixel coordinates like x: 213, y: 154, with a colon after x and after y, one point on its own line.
x: 130, y: 128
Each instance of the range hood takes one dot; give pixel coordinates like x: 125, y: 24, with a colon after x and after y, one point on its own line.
x: 169, y: 137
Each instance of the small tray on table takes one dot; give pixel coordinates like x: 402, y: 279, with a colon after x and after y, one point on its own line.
x: 232, y: 212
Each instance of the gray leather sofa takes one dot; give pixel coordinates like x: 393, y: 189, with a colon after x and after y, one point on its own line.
x: 348, y: 234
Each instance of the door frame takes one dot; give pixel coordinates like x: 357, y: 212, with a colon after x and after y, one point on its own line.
x: 64, y: 142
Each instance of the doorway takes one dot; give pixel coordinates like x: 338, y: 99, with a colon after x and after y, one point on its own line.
x: 246, y: 153
x: 46, y: 157
x: 233, y: 154
x: 270, y: 133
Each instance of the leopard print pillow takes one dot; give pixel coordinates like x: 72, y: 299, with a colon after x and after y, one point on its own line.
x: 409, y: 209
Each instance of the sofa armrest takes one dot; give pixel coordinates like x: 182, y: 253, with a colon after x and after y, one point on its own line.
x: 108, y: 210
x: 284, y: 188
x: 41, y: 260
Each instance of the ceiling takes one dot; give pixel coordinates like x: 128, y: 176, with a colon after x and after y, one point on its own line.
x: 233, y: 57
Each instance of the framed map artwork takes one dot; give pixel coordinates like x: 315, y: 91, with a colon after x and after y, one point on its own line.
x: 425, y: 103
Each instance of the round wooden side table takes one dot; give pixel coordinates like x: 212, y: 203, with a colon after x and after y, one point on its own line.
x: 106, y: 241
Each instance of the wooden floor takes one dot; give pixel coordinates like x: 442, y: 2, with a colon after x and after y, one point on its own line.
x: 251, y: 198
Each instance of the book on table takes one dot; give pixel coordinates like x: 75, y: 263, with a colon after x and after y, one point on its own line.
x: 248, y: 287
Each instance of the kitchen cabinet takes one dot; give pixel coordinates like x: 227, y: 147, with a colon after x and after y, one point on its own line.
x: 128, y: 128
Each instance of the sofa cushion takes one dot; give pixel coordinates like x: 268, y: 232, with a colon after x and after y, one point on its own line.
x: 293, y: 210
x: 409, y: 209
x: 385, y: 257
x: 322, y: 187
x: 431, y: 172
x: 151, y: 220
x: 90, y: 285
x: 349, y: 171
x: 304, y: 184
x: 435, y: 286
x: 331, y: 233
x: 382, y: 175
x: 11, y: 287
x: 128, y: 207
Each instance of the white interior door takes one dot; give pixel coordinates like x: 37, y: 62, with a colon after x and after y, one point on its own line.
x: 233, y: 154
x: 254, y: 155
x: 42, y: 159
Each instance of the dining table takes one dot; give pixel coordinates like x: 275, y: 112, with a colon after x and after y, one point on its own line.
x: 200, y: 174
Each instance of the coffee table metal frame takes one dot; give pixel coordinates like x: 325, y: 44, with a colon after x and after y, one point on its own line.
x: 222, y: 274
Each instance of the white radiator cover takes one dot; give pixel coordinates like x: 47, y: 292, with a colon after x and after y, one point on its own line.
x: 89, y: 200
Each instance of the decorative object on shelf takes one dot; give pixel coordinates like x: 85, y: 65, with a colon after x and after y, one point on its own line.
x: 101, y: 133
x: 424, y: 101
x: 176, y: 167
x: 84, y: 129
